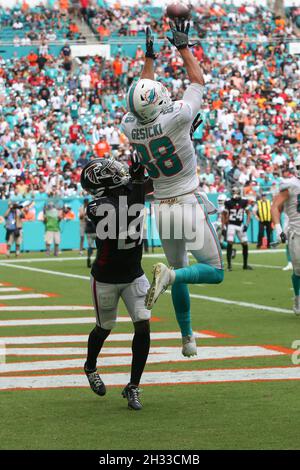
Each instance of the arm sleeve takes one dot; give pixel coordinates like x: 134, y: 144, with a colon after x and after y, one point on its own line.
x: 192, y: 101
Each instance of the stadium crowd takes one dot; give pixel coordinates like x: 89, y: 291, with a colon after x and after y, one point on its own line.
x: 54, y: 117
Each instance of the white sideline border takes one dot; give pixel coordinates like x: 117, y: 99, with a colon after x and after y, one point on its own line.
x: 155, y: 378
x: 196, y: 296
x: 147, y: 255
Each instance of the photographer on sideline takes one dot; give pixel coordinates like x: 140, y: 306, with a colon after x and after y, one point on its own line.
x: 13, y: 224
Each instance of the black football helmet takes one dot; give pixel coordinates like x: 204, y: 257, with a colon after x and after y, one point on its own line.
x: 102, y: 175
x: 236, y: 192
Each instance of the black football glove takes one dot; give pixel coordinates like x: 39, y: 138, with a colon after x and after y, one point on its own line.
x: 245, y: 228
x: 149, y: 44
x: 136, y: 169
x: 180, y: 32
x: 196, y: 123
x: 283, y: 237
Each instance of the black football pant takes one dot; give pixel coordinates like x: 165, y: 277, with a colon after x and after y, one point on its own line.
x: 261, y: 231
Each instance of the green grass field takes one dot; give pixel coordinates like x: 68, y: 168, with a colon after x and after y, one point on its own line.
x: 239, y: 409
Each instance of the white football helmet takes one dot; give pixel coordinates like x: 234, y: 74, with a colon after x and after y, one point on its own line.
x: 146, y: 99
x: 297, y: 166
x: 221, y: 200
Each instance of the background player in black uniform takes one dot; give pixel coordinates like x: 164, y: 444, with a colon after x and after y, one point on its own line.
x: 90, y: 231
x: 117, y: 270
x: 234, y: 213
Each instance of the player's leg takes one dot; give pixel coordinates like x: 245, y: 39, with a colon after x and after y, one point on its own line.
x: 48, y: 241
x: 133, y: 296
x: 105, y: 300
x: 176, y: 254
x: 289, y: 265
x: 294, y: 247
x: 199, y: 236
x: 82, y: 233
x: 269, y: 233
x: 230, y: 239
x: 56, y: 243
x: 90, y: 241
x: 242, y: 236
x: 261, y: 229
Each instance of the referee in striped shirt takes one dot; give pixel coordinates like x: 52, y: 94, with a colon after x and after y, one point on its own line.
x: 263, y: 215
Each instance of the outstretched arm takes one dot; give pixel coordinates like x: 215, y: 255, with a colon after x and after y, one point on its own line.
x: 180, y: 39
x: 148, y: 69
x: 192, y: 67
x: 276, y: 209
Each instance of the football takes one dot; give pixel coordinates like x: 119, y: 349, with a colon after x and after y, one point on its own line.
x: 178, y: 10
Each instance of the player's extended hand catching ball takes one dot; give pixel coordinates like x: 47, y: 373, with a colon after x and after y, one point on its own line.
x: 180, y: 32
x: 149, y: 44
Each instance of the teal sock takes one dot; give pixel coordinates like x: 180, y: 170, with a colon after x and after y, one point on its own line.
x: 296, y: 283
x: 199, y: 274
x: 181, y: 302
x: 288, y: 253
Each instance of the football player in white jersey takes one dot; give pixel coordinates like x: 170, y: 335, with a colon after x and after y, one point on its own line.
x: 288, y: 201
x: 159, y: 130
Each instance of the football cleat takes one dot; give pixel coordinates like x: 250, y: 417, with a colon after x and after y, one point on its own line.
x: 296, y: 307
x: 189, y: 346
x: 288, y: 267
x: 229, y: 268
x: 132, y: 392
x: 248, y: 268
x: 161, y: 280
x: 95, y: 381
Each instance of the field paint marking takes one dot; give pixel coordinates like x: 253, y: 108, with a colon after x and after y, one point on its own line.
x: 46, y: 271
x: 241, y: 304
x: 23, y: 296
x: 55, y: 321
x: 50, y: 351
x: 44, y: 308
x: 10, y: 289
x: 149, y: 255
x: 155, y: 378
x: 203, y: 297
x: 49, y: 339
x: 117, y: 351
x: 261, y: 266
x: 173, y: 355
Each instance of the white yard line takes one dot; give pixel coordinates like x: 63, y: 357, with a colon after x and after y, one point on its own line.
x: 10, y: 289
x: 56, y: 321
x: 147, y: 255
x: 49, y: 339
x: 172, y: 355
x: 45, y: 308
x: 240, y: 304
x: 46, y: 271
x: 156, y: 378
x: 23, y: 296
x: 269, y: 266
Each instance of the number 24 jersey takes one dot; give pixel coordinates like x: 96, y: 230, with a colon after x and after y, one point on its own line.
x: 236, y: 210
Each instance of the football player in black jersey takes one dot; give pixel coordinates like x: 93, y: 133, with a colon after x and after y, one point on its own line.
x: 117, y: 211
x: 233, y: 217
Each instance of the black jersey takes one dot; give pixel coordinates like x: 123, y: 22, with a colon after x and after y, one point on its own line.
x: 236, y: 210
x: 90, y: 227
x: 119, y: 255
